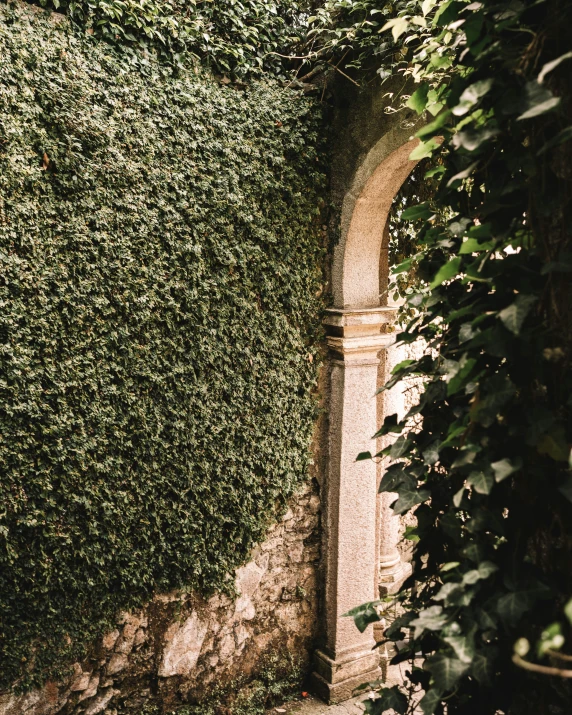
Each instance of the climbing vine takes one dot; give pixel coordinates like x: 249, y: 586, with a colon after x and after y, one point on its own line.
x: 161, y: 243
x: 232, y: 37
x: 487, y: 467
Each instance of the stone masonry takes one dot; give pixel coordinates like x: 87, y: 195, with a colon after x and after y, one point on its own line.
x: 175, y: 649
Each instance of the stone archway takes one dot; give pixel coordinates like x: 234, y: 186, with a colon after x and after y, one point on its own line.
x: 361, y: 532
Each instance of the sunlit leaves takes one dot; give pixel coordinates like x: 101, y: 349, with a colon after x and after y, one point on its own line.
x: 423, y: 150
x: 418, y: 100
x: 397, y: 25
x: 230, y: 36
x: 414, y: 213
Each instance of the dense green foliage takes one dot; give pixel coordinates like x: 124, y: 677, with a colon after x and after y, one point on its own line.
x: 488, y: 462
x: 160, y: 249
x: 231, y: 36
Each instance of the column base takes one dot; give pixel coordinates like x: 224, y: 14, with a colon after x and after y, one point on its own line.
x: 391, y: 581
x: 335, y: 681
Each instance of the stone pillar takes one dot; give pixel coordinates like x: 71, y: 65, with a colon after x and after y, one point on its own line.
x: 355, y: 338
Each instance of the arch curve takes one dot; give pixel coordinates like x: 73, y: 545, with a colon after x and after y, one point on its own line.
x: 357, y: 257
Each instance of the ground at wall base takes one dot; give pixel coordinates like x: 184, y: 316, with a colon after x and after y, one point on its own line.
x: 313, y: 706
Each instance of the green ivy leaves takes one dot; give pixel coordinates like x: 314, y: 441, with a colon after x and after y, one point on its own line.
x: 231, y: 37
x: 160, y: 260
x: 483, y: 459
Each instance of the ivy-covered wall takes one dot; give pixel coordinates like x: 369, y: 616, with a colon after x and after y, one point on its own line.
x: 160, y: 282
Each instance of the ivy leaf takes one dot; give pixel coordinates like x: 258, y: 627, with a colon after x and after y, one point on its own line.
x: 434, y: 127
x: 471, y: 139
x: 499, y: 391
x: 481, y: 481
x: 418, y: 100
x: 431, y: 619
x: 408, y: 498
x: 462, y: 375
x: 430, y: 701
x: 398, y: 26
x: 538, y: 100
x: 485, y: 620
x: 512, y: 606
x: 568, y: 611
x: 466, y: 456
x: 403, y: 267
x: 549, y: 66
x: 445, y: 670
x: 400, y: 447
x: 414, y: 213
x: 463, y: 645
x: 410, y: 533
x: 447, y: 590
x: 472, y: 245
x: 463, y: 175
x: 446, y: 272
x: 391, y: 699
x: 424, y: 150
x: 401, y: 366
x: 564, y: 136
x: 483, y: 669
x: 515, y: 314
x: 504, y: 468
x: 364, y: 615
x: 485, y: 569
x: 471, y: 95
x: 554, y: 444
x: 395, y: 476
x: 458, y: 497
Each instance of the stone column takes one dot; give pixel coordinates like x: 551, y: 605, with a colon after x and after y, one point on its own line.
x: 355, y: 338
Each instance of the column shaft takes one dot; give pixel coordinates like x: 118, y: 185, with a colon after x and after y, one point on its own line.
x: 355, y: 339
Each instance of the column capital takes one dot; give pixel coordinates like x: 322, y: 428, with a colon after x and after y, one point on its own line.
x: 358, y: 334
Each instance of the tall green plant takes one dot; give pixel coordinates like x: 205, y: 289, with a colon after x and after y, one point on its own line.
x: 487, y: 468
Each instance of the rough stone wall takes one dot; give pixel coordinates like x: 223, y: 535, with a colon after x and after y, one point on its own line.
x: 175, y: 649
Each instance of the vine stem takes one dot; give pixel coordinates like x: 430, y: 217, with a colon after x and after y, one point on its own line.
x: 543, y: 669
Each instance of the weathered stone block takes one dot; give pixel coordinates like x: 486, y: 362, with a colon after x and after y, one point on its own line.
x: 182, y: 647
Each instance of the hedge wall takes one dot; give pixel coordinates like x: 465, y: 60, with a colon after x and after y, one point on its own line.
x: 160, y: 244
